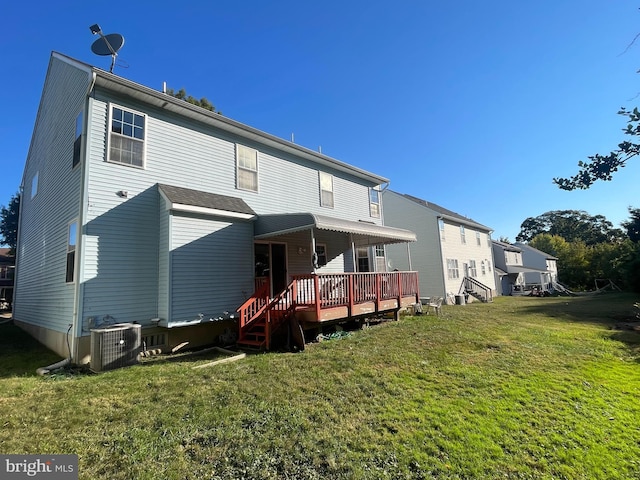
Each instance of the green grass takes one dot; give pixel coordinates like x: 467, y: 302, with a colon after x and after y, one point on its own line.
x: 521, y: 388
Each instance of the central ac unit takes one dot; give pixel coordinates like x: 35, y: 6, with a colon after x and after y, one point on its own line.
x: 115, y: 346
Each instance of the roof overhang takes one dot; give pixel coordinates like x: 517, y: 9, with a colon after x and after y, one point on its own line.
x: 179, y: 199
x: 519, y: 269
x: 363, y: 233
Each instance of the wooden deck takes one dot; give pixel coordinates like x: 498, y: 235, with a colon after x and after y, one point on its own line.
x: 314, y: 299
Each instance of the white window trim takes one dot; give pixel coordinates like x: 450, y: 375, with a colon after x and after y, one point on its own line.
x: 109, y: 133
x: 238, y: 168
x: 333, y: 198
x: 372, y: 203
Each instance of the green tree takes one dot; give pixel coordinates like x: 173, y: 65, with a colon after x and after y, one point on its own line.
x: 203, y: 102
x: 602, y: 167
x: 9, y: 222
x: 572, y: 225
x: 633, y: 224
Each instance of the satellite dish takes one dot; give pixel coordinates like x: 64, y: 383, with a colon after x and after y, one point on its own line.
x: 106, y: 44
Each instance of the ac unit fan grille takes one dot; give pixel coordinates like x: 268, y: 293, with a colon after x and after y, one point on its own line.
x: 114, y: 347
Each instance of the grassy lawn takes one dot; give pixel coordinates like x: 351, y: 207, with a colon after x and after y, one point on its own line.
x: 520, y: 388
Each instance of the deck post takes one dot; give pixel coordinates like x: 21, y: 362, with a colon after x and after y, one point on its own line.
x: 316, y: 287
x: 378, y: 293
x: 351, y: 293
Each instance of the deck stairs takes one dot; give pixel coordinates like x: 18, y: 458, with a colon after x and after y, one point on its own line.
x: 477, y: 289
x: 261, y: 317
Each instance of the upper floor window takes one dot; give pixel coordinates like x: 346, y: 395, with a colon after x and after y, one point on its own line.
x: 441, y: 227
x: 127, y: 136
x: 71, y: 251
x: 374, y: 202
x: 483, y: 268
x: 326, y: 189
x: 489, y: 240
x: 463, y: 239
x: 247, y: 161
x: 478, y: 238
x: 34, y: 185
x: 77, y: 141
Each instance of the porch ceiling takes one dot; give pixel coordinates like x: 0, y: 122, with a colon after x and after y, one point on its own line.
x: 363, y: 232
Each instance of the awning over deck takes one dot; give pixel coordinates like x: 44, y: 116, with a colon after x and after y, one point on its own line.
x: 273, y: 225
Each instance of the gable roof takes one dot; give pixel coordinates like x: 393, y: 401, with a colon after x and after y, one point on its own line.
x: 195, y: 201
x: 506, y: 246
x: 535, y: 250
x: 446, y: 213
x: 169, y: 103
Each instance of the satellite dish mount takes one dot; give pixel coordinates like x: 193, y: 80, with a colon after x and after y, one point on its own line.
x: 107, y: 44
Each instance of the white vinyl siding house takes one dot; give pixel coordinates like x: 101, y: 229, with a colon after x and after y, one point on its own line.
x: 169, y: 242
x: 443, y: 254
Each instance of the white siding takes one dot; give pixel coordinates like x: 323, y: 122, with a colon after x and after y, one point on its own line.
x: 430, y: 252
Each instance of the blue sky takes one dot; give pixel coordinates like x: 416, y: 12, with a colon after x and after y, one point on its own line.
x: 472, y: 105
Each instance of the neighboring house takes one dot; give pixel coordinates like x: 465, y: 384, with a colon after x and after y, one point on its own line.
x: 140, y: 207
x: 7, y: 270
x: 544, y: 266
x: 453, y: 253
x: 509, y: 269
x: 521, y: 269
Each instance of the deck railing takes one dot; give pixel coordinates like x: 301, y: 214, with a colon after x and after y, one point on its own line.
x: 327, y: 290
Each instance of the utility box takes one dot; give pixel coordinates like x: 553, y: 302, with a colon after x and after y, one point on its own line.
x: 115, y: 346
x: 460, y: 300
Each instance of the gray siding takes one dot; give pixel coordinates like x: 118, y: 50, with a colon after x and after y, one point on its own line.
x: 426, y: 256
x: 211, y: 266
x: 121, y: 245
x: 164, y: 271
x: 183, y: 153
x: 43, y: 297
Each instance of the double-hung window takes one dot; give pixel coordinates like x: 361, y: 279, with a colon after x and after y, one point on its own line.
x: 127, y: 137
x: 326, y: 189
x: 374, y: 202
x: 441, y: 226
x: 247, y: 161
x: 478, y: 242
x: 463, y: 238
